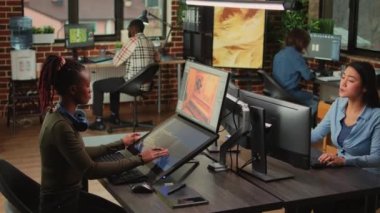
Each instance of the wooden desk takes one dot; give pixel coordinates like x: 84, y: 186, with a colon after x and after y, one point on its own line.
x: 106, y: 69
x: 319, y: 186
x: 225, y: 191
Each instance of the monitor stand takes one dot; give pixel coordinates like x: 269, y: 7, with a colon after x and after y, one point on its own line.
x: 221, y: 165
x: 322, y: 68
x: 271, y: 173
x: 260, y: 167
x: 75, y: 54
x: 215, y: 148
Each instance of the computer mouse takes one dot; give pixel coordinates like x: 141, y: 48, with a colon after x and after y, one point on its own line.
x: 141, y: 188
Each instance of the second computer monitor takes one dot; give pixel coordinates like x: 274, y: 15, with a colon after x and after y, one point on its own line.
x: 79, y: 36
x: 288, y: 137
x: 324, y: 47
x: 202, y: 94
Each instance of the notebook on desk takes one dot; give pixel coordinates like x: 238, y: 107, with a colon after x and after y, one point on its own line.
x: 194, y: 126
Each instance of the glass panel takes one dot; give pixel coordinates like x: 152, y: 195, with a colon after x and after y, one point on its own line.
x: 134, y: 9
x: 368, y: 25
x: 101, y: 13
x: 43, y: 13
x: 340, y: 16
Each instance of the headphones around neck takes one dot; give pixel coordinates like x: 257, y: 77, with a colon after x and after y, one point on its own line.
x: 78, y: 119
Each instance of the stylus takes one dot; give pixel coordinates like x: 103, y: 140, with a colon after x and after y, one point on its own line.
x: 176, y: 188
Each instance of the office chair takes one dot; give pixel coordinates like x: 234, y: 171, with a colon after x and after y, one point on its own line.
x: 140, y: 84
x: 273, y: 89
x: 20, y: 190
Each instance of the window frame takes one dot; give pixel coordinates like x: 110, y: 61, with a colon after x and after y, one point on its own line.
x: 353, y: 30
x: 73, y: 18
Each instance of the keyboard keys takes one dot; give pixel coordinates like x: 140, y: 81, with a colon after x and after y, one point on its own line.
x: 129, y: 176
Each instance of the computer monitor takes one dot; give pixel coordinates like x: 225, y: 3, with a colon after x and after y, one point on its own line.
x: 79, y: 36
x: 287, y: 129
x: 323, y: 47
x: 202, y: 94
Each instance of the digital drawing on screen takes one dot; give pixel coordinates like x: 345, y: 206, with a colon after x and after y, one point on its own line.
x: 200, y: 96
x: 78, y: 35
x: 238, y: 37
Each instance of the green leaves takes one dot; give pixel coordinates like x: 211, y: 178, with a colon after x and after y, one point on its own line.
x: 43, y: 30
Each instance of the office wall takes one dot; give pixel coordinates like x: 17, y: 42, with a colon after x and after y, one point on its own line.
x: 11, y: 8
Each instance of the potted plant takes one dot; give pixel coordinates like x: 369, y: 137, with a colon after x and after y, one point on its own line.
x: 43, y: 35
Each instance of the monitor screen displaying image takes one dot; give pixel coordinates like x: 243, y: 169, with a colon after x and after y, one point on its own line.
x: 79, y: 35
x: 202, y: 94
x: 324, y: 47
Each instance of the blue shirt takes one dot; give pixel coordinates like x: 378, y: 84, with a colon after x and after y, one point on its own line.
x: 344, y: 133
x: 289, y: 67
x: 361, y: 147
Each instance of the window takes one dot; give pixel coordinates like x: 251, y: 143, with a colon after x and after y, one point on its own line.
x: 358, y: 22
x: 155, y: 27
x: 109, y: 17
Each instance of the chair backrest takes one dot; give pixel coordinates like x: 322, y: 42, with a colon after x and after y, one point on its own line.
x: 20, y: 190
x: 274, y: 89
x: 327, y: 146
x: 142, y: 82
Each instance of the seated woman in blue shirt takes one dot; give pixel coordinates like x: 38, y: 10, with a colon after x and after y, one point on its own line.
x: 289, y: 68
x: 353, y: 121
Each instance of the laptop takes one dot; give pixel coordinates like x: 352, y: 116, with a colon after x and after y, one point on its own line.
x: 193, y: 127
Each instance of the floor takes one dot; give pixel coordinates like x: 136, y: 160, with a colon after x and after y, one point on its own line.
x: 22, y: 150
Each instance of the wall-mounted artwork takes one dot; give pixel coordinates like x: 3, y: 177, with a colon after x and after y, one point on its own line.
x: 238, y: 37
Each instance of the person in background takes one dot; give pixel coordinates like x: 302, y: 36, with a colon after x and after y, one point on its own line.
x: 136, y: 54
x: 289, y: 68
x: 65, y: 160
x: 354, y: 123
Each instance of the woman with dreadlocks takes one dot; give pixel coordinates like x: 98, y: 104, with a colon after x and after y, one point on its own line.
x: 64, y: 158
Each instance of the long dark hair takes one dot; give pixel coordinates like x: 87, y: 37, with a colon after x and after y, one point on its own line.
x: 298, y: 38
x: 368, y: 77
x: 57, y: 74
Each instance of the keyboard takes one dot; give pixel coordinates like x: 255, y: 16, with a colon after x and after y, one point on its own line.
x: 99, y: 59
x: 129, y: 176
x: 314, y: 162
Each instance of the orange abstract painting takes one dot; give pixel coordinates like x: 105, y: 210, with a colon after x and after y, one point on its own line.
x: 238, y: 37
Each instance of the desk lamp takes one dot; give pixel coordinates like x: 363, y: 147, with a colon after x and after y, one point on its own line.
x: 144, y: 18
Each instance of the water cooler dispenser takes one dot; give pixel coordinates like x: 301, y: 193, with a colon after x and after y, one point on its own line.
x: 23, y: 92
x: 23, y: 59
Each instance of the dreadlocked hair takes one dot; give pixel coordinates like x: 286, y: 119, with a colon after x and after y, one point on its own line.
x: 57, y: 74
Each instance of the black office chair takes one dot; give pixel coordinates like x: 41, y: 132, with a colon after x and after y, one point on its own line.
x: 273, y: 89
x: 20, y: 190
x: 140, y: 84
